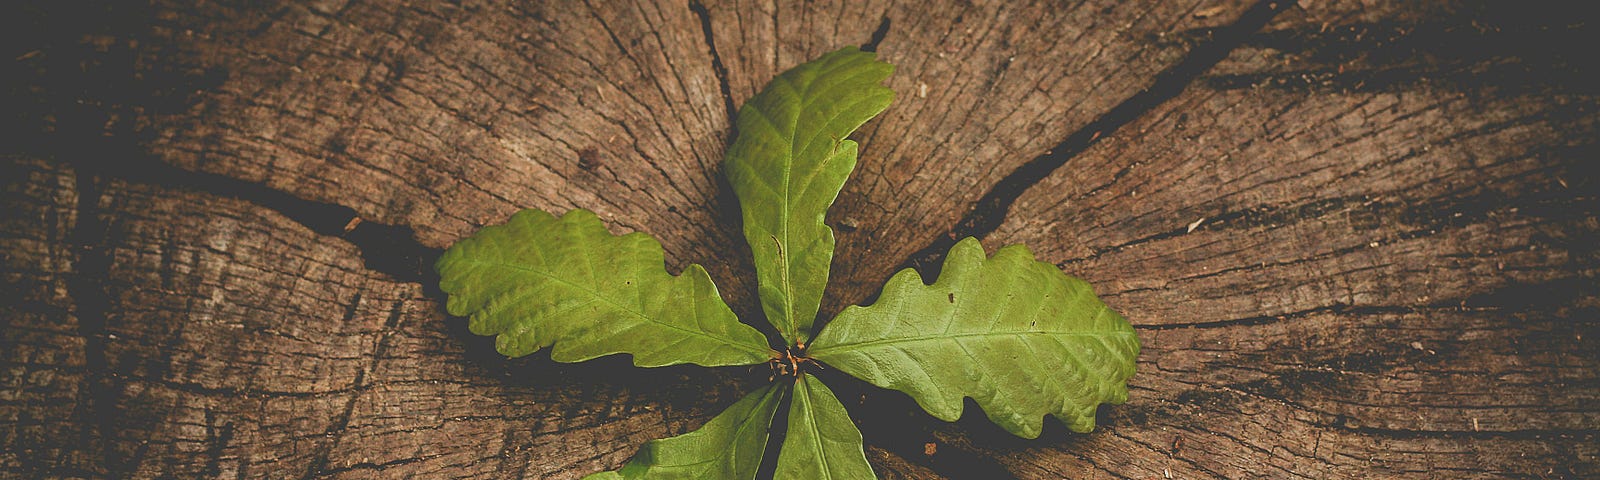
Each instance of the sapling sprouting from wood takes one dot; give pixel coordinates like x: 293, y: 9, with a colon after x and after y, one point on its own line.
x: 1016, y: 335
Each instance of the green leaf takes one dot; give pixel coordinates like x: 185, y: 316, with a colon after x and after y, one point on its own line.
x: 787, y: 166
x: 729, y: 446
x: 539, y: 281
x: 1017, y: 335
x: 822, y: 442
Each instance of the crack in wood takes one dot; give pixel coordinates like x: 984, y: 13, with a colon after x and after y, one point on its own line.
x: 1335, y: 309
x: 717, y: 66
x: 98, y: 405
x: 98, y: 410
x: 1555, y: 366
x: 990, y: 211
x: 877, y: 36
x: 319, y: 465
x: 388, y: 249
x: 216, y: 443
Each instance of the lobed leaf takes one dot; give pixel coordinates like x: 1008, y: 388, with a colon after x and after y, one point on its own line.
x: 539, y: 281
x: 787, y: 166
x: 1017, y: 335
x: 822, y: 442
x: 730, y: 446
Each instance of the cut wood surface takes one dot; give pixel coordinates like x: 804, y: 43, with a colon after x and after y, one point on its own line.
x: 1358, y: 239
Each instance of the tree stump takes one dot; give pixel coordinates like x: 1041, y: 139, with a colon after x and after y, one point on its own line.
x: 1358, y: 239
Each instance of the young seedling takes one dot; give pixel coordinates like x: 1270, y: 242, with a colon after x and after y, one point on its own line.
x: 1016, y: 335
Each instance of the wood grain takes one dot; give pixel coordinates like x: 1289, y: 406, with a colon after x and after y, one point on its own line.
x: 1358, y: 239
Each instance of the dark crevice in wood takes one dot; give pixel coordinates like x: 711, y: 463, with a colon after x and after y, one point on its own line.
x: 94, y: 109
x: 217, y: 440
x: 1385, y: 211
x: 877, y: 36
x: 991, y: 210
x: 894, y: 422
x: 512, y: 461
x: 1337, y: 309
x: 954, y: 462
x: 79, y: 79
x: 97, y: 114
x: 725, y: 203
x: 1513, y: 50
x: 318, y: 466
x: 388, y: 249
x: 717, y: 66
x: 97, y: 407
x: 778, y: 431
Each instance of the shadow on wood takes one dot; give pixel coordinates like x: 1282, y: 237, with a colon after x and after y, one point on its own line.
x: 1357, y: 240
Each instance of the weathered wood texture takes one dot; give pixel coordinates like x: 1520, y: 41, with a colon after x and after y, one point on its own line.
x: 1358, y: 239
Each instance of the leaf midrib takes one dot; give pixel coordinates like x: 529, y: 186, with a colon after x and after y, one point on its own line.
x: 737, y: 433
x: 925, y: 338
x: 803, y: 91
x: 609, y: 301
x: 816, y: 434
